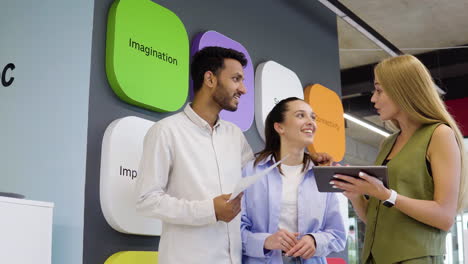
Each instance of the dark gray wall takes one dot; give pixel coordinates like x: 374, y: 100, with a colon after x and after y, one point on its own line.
x: 300, y: 35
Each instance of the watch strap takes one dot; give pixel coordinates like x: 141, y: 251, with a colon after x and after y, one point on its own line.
x: 391, y: 201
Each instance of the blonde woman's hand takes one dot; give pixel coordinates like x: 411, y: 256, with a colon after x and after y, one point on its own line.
x: 364, y: 185
x: 352, y: 195
x: 322, y: 158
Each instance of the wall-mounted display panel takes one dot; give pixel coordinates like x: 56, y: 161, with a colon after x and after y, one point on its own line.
x: 122, y: 146
x: 147, y: 55
x: 244, y: 115
x: 273, y: 82
x: 330, y: 135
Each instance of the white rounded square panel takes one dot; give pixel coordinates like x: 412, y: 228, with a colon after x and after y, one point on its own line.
x: 122, y: 147
x: 273, y: 82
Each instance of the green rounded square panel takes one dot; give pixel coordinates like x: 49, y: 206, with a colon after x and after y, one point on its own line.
x: 147, y: 55
x: 133, y: 257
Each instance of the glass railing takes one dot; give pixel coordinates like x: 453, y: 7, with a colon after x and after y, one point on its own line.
x: 457, y: 241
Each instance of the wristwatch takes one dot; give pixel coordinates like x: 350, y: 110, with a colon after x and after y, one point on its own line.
x: 391, y: 201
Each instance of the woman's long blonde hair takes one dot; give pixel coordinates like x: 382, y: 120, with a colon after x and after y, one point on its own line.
x: 409, y: 84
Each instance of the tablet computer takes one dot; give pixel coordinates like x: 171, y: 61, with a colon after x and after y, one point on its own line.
x: 323, y: 175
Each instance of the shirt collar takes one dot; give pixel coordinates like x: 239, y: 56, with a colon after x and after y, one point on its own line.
x: 268, y: 161
x: 197, y: 120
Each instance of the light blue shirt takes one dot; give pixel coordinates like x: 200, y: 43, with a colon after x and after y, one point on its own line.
x: 318, y: 215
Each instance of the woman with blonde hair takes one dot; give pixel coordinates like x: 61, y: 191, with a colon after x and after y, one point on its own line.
x: 408, y: 221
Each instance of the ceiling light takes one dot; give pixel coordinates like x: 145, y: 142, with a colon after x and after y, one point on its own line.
x: 366, y: 125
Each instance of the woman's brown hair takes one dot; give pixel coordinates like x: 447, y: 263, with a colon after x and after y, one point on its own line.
x: 272, y: 138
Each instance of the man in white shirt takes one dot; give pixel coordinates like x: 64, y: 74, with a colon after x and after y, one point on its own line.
x: 191, y: 162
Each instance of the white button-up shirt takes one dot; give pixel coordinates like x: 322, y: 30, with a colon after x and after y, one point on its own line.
x: 185, y: 164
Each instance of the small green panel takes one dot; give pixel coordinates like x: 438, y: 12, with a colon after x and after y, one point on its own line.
x: 133, y: 257
x: 147, y: 55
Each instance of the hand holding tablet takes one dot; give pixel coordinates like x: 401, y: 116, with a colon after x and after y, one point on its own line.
x: 324, y: 175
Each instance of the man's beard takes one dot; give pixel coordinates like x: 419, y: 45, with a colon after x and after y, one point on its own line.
x: 223, y: 99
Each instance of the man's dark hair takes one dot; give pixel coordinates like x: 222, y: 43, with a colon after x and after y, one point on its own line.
x: 212, y: 59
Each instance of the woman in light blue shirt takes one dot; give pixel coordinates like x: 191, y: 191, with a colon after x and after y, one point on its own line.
x: 284, y: 217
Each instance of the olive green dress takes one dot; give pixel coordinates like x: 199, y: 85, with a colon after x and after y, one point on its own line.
x: 392, y: 236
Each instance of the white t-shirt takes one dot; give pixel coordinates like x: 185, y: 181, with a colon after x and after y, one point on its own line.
x: 292, y: 177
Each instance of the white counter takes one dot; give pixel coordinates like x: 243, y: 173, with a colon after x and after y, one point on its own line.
x: 25, y: 231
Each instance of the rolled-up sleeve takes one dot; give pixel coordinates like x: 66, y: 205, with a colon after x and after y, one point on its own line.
x: 332, y: 237
x: 151, y: 197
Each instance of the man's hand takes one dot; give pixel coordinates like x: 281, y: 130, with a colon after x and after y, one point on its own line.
x: 304, y: 249
x: 226, y: 211
x: 283, y: 239
x: 322, y: 158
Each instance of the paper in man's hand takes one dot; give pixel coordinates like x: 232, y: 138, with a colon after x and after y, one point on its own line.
x: 245, y: 182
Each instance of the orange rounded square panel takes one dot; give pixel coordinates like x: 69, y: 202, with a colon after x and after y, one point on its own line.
x: 330, y: 135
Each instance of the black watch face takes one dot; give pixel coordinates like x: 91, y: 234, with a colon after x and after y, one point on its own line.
x: 388, y: 204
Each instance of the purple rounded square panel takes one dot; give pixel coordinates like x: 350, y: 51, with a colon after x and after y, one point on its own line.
x: 244, y: 115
